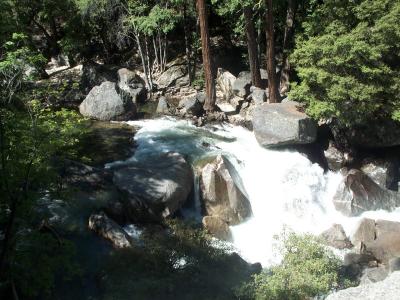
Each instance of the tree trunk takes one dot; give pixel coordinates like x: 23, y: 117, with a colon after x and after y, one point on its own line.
x: 284, y: 81
x: 252, y: 47
x: 271, y: 66
x: 206, y: 51
x: 187, y: 43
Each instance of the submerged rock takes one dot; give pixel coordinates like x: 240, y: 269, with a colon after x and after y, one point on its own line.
x: 108, y: 229
x: 223, y: 193
x: 358, y: 193
x: 281, y: 124
x: 156, y: 187
x: 105, y: 103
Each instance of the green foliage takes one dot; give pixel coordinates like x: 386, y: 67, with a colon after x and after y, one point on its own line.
x: 347, y: 61
x: 307, y: 270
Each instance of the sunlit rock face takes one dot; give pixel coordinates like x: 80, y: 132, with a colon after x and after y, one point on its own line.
x: 280, y: 124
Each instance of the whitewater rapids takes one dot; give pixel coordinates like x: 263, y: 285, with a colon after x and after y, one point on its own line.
x: 285, y: 189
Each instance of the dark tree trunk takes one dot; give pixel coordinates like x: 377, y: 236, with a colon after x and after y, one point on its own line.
x: 209, y: 104
x: 271, y: 66
x: 252, y: 47
x: 284, y: 82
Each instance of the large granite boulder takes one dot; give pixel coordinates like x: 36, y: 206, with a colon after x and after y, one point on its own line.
x: 225, y: 81
x: 156, y: 187
x: 281, y: 124
x: 358, y: 193
x: 132, y: 84
x: 175, y: 75
x: 388, y: 289
x: 380, y: 238
x: 107, y: 102
x: 223, y: 193
x: 108, y: 229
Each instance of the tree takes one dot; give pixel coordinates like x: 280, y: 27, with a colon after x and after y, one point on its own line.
x: 209, y: 104
x: 288, y: 35
x: 347, y: 61
x: 252, y: 46
x: 273, y: 89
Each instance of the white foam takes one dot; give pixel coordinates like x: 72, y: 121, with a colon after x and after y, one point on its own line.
x: 285, y: 189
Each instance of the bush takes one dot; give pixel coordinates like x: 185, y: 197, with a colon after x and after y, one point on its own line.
x: 307, y: 270
x: 347, y: 61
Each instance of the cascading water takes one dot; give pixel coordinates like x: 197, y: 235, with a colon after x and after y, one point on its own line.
x: 284, y: 188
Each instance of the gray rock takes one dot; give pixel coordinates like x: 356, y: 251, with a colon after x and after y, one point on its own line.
x: 281, y: 124
x: 225, y: 81
x: 384, y: 247
x: 383, y: 172
x: 365, y: 232
x: 95, y: 74
x: 132, y: 84
x: 259, y: 96
x: 371, y: 275
x: 335, y: 158
x: 192, y: 105
x: 241, y: 86
x: 383, y: 227
x: 217, y: 227
x: 105, y: 103
x: 108, y: 229
x: 394, y: 264
x: 388, y: 289
x: 156, y: 187
x: 358, y: 193
x: 223, y: 193
x: 336, y: 237
x: 163, y: 106
x: 174, y: 75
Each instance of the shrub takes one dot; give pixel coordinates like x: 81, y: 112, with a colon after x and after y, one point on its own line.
x: 308, y: 269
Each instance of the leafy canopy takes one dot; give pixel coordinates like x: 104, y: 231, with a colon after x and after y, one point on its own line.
x: 347, y: 61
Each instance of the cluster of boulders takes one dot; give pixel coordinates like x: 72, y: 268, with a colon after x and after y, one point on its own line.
x: 114, y: 100
x: 375, y: 251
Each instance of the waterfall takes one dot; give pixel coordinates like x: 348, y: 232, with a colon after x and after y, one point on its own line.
x: 285, y: 189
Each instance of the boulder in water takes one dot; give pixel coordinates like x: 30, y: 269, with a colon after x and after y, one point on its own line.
x: 383, y: 172
x: 365, y: 232
x: 106, y: 102
x: 281, y: 124
x: 156, y: 187
x: 223, y: 193
x: 358, y: 193
x: 108, y: 229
